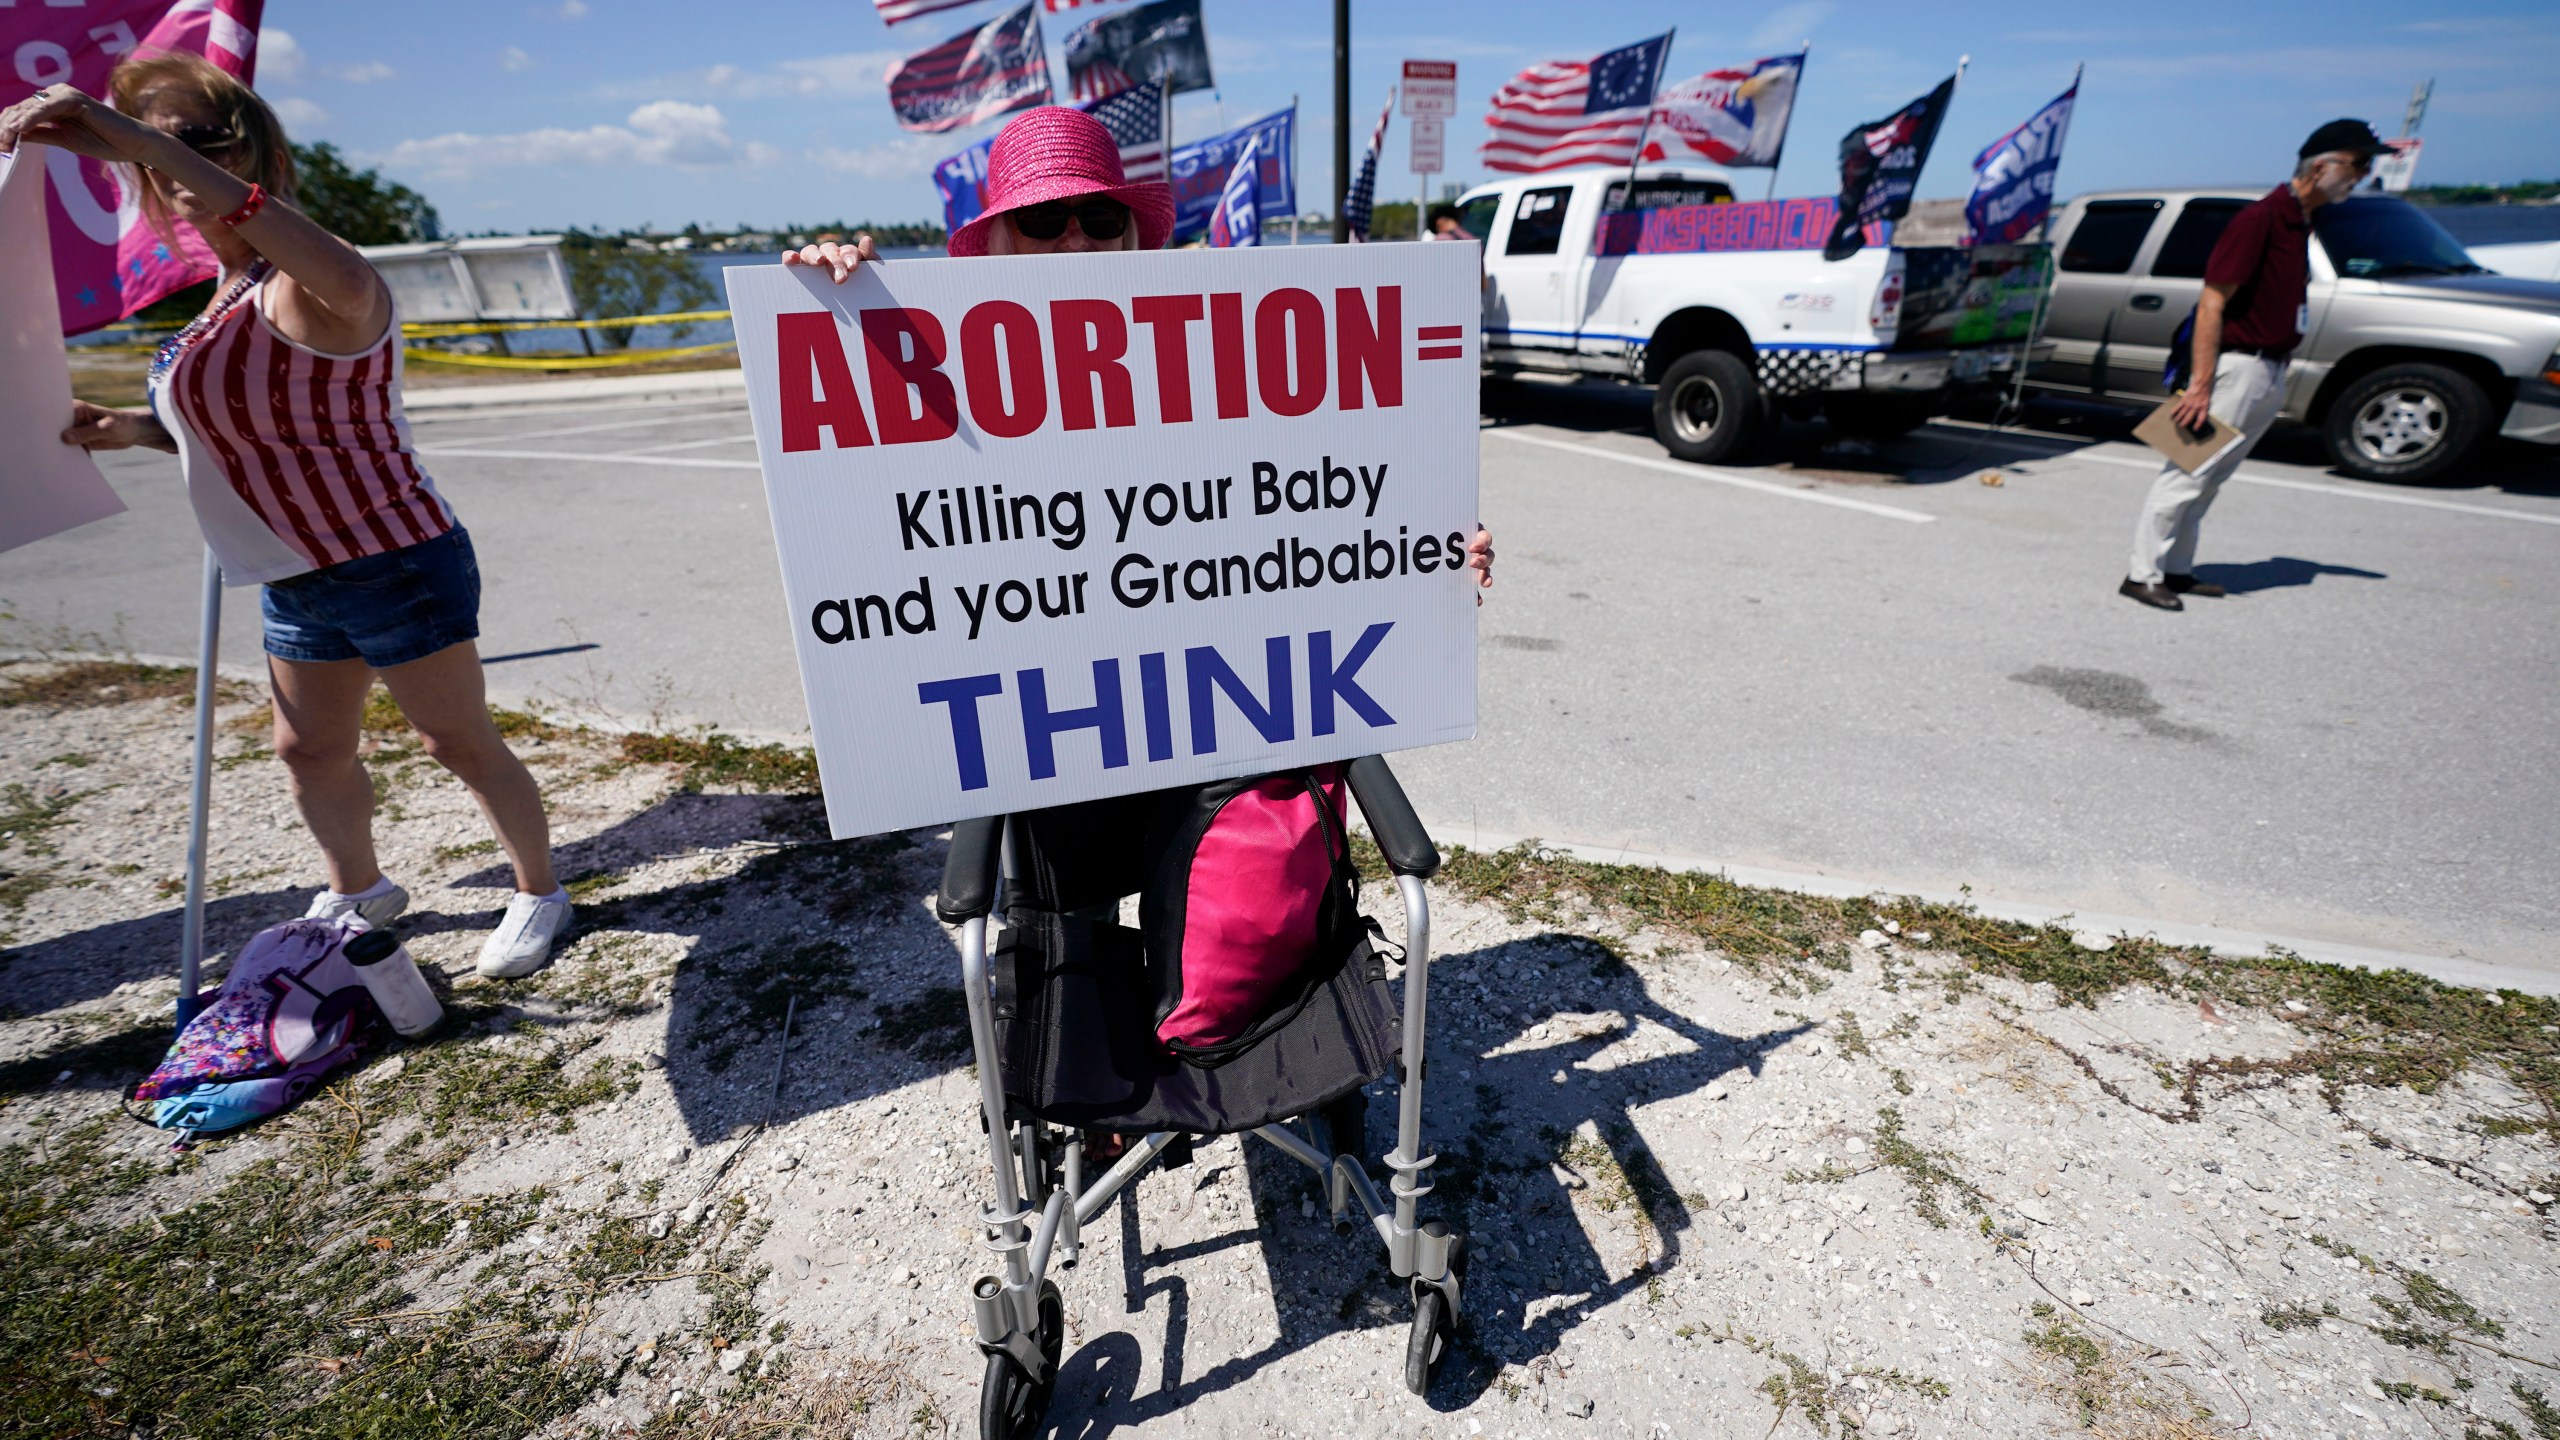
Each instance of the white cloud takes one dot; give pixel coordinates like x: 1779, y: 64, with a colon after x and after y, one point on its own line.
x: 280, y: 57
x: 571, y: 9
x: 852, y: 73
x: 1790, y: 23
x: 662, y: 132
x: 513, y: 59
x: 901, y: 159
x: 298, y: 113
x: 362, y: 72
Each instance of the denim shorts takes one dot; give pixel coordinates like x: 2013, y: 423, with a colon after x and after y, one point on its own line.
x: 385, y: 610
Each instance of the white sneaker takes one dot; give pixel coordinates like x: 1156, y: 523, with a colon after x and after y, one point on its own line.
x: 522, y: 942
x: 376, y: 907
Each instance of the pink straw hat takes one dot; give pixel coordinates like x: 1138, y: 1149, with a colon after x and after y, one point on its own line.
x: 1054, y: 153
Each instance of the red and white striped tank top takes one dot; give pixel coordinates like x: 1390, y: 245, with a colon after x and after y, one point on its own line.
x: 295, y: 459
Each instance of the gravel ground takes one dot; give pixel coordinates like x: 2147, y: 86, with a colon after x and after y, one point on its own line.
x: 1886, y: 1196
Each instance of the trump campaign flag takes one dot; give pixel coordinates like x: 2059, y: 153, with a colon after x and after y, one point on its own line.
x: 1201, y: 171
x: 2013, y: 176
x: 976, y: 75
x: 1164, y: 41
x: 1880, y: 167
x: 107, y: 261
x: 1238, y: 218
x: 1574, y: 112
x: 1733, y: 117
x: 1134, y: 117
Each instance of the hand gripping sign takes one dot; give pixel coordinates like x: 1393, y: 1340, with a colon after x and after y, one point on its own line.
x: 1060, y: 527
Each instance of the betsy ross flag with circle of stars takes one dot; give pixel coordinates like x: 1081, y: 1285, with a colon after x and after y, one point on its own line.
x: 1567, y: 112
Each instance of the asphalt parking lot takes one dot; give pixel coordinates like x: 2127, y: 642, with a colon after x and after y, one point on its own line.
x: 1867, y: 666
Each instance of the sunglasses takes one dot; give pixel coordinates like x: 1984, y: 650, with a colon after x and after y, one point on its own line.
x: 1101, y: 219
x: 207, y: 139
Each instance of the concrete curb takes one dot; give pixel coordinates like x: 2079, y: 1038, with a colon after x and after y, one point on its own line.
x: 2239, y: 944
x: 681, y: 384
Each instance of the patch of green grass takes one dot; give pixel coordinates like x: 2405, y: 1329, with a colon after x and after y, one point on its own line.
x: 2294, y: 1317
x: 466, y: 851
x: 716, y: 759
x: 1925, y: 1171
x: 933, y: 1026
x: 2538, y: 1412
x: 25, y: 816
x: 84, y: 684
x: 512, y: 1081
x: 2362, y: 1028
x: 72, y: 760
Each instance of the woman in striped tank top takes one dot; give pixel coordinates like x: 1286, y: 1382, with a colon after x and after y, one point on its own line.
x: 283, y: 401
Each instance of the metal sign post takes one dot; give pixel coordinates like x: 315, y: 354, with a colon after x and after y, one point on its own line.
x: 1429, y: 98
x: 200, y: 800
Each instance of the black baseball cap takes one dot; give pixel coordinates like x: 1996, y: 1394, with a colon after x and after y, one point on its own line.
x: 2355, y: 137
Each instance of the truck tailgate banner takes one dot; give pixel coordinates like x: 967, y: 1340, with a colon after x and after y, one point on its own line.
x: 1054, y: 528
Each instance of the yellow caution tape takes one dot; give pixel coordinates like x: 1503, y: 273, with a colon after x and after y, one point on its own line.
x: 564, y: 362
x: 425, y: 330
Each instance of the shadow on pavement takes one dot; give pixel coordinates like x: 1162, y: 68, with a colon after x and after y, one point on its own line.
x: 2277, y: 573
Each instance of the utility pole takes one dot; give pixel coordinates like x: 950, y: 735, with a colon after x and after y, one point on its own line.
x: 1341, y: 118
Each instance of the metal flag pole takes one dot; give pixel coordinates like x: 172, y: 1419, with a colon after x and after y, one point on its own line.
x: 1341, y: 118
x: 1652, y: 93
x: 200, y: 803
x: 1294, y: 206
x: 1804, y: 52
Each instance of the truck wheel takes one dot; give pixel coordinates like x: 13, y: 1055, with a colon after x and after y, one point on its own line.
x: 1876, y: 417
x: 1707, y: 407
x: 2405, y: 422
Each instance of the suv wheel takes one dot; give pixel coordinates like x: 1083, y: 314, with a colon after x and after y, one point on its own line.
x: 2405, y: 422
x: 1707, y: 407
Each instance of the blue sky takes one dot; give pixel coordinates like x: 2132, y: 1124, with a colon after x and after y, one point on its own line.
x: 525, y: 116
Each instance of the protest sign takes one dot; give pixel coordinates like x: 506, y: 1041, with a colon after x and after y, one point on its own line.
x: 1060, y: 527
x: 46, y: 487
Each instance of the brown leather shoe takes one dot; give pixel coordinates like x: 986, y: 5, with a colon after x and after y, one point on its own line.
x: 2158, y: 597
x: 2190, y: 585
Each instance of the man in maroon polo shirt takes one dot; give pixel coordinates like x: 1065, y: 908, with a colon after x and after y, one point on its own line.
x: 2250, y: 316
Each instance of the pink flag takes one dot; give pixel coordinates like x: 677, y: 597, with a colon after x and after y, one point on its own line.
x: 107, y: 262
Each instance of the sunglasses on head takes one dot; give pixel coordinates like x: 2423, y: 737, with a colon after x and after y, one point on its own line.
x: 207, y: 139
x: 1101, y: 219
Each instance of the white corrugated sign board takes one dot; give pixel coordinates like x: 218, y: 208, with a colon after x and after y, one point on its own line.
x: 1430, y: 89
x: 1060, y: 527
x: 1429, y: 152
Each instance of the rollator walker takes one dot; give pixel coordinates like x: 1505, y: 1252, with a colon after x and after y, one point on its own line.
x: 1064, y: 1042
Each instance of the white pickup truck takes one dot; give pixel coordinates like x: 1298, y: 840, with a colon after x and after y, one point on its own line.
x: 1729, y: 310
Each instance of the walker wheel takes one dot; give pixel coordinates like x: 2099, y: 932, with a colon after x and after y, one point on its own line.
x: 1012, y: 1404
x: 1428, y: 1341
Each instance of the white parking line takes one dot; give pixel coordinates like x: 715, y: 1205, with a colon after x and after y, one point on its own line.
x: 693, y: 444
x: 475, y: 453
x: 1721, y: 477
x: 2380, y: 497
x: 556, y: 432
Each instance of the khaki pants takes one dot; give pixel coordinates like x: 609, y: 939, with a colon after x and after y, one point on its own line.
x: 2248, y: 390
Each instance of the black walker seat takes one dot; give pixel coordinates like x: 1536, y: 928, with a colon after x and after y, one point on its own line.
x: 1062, y: 1009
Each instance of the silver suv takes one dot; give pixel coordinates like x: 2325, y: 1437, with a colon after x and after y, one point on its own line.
x: 2415, y: 354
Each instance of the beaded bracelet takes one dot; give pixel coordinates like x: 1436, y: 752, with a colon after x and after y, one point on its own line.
x: 257, y: 201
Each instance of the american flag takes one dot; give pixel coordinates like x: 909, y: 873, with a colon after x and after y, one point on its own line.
x: 893, y: 11
x: 1364, y: 190
x: 1057, y: 5
x: 1567, y: 112
x: 1135, y: 118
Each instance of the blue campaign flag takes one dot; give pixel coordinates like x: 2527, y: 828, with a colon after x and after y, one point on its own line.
x: 1200, y: 172
x: 1135, y: 118
x: 1238, y: 218
x: 2013, y: 176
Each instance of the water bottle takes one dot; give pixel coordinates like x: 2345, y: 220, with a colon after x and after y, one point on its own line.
x: 392, y: 978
